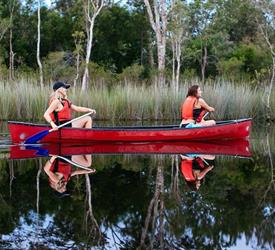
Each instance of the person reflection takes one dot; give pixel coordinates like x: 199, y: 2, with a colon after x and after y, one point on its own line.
x: 60, y: 171
x: 195, y: 167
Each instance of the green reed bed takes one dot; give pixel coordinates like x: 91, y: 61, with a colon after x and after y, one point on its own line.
x: 25, y: 100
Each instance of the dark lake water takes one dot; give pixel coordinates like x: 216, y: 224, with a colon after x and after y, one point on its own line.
x: 141, y: 201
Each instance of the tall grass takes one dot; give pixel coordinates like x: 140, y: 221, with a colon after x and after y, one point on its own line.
x: 26, y: 101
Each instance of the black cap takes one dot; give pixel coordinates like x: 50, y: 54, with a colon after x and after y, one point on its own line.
x: 58, y: 85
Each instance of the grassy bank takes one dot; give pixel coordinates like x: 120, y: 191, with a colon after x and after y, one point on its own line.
x: 24, y: 100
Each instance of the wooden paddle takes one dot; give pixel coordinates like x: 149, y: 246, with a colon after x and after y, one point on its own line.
x: 37, y: 137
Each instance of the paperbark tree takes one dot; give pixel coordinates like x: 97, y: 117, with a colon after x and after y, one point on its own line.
x: 11, y: 63
x: 78, y: 40
x: 4, y: 26
x: 178, y: 33
x: 267, y: 31
x: 38, y: 44
x: 92, y: 10
x: 157, y: 12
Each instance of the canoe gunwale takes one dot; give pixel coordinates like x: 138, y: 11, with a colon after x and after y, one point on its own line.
x: 139, y: 128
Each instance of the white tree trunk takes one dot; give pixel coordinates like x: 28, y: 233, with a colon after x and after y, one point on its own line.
x: 11, y: 63
x: 158, y: 20
x: 95, y: 8
x: 38, y: 45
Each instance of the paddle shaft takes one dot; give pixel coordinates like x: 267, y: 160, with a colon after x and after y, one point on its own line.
x: 73, y: 120
x: 73, y: 163
x: 205, y: 115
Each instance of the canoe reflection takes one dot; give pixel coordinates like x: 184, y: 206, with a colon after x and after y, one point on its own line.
x: 59, y: 170
x: 195, y: 167
x: 232, y: 147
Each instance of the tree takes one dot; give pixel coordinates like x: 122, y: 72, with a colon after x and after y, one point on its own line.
x: 157, y: 12
x: 267, y: 31
x: 38, y: 44
x: 92, y: 10
x: 202, y: 14
x: 178, y: 30
x: 78, y: 40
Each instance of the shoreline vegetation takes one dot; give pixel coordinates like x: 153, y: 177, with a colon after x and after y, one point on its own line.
x: 24, y: 100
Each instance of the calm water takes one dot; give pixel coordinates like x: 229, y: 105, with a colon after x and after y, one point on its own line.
x: 141, y: 201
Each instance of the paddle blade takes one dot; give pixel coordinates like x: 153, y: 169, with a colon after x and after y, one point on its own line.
x: 35, y: 138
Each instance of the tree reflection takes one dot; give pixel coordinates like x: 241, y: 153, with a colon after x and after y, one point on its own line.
x: 141, y: 202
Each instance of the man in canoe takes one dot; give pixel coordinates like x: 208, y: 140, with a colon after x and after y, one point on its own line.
x: 195, y: 167
x: 60, y: 109
x: 194, y: 108
x: 60, y: 171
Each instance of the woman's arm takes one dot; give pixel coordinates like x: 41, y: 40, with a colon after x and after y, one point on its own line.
x: 204, y: 172
x: 205, y: 105
x: 50, y: 109
x: 47, y: 170
x: 81, y: 109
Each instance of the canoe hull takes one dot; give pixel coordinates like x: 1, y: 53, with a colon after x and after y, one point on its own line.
x: 229, y: 147
x: 235, y: 129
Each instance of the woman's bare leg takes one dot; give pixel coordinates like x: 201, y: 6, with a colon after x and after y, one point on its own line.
x: 84, y: 160
x: 85, y: 122
x: 207, y: 123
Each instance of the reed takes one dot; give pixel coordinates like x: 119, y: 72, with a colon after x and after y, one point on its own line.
x: 25, y: 100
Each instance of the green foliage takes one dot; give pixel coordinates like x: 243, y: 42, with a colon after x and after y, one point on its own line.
x: 123, y: 37
x: 59, y: 66
x: 231, y: 67
x: 132, y: 73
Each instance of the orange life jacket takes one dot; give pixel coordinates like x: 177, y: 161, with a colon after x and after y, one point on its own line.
x: 64, y: 114
x: 187, y: 108
x: 63, y: 168
x: 187, y: 168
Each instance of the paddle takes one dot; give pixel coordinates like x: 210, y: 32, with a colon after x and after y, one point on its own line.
x: 44, y: 152
x: 35, y: 138
x: 73, y: 163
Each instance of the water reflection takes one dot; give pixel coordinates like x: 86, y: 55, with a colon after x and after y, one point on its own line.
x: 195, y: 167
x: 59, y: 170
x: 141, y: 200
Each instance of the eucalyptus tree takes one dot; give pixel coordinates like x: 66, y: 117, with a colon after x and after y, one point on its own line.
x: 178, y: 34
x: 13, y: 5
x: 92, y: 10
x: 157, y: 11
x: 4, y: 25
x: 202, y: 14
x: 267, y: 31
x: 78, y: 40
x: 38, y: 43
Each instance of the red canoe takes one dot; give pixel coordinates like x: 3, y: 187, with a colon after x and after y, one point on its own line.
x: 225, y: 147
x: 232, y: 129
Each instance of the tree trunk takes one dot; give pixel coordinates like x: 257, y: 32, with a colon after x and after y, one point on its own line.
x: 11, y: 59
x: 38, y: 45
x: 96, y: 8
x: 178, y: 56
x: 158, y: 21
x: 270, y: 88
x: 77, y: 68
x: 11, y: 64
x: 203, y: 65
x: 151, y: 53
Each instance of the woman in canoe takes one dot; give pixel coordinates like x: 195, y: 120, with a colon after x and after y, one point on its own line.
x: 194, y: 108
x: 60, y: 109
x: 195, y: 167
x: 60, y: 171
